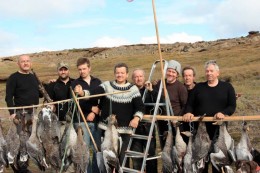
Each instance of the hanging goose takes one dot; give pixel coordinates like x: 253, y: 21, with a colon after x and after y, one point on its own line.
x: 3, y: 150
x: 111, y: 146
x: 168, y: 155
x: 200, y: 146
x: 188, y: 167
x: 244, y: 147
x: 220, y: 158
x: 80, y: 153
x: 35, y: 148
x: 24, y: 136
x: 68, y: 141
x: 49, y: 136
x: 180, y: 146
x: 13, y: 143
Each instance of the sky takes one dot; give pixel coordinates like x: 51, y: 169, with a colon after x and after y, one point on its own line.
x: 31, y: 26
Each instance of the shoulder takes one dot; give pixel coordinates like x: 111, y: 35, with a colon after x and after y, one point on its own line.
x: 95, y: 79
x: 225, y: 84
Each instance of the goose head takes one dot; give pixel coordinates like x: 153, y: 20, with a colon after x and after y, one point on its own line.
x: 111, y: 120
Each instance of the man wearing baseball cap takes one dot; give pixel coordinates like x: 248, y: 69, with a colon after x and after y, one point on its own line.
x: 60, y: 89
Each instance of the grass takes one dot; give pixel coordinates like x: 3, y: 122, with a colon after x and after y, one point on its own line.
x: 239, y: 63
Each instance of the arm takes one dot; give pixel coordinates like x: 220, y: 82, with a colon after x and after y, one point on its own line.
x: 139, y: 109
x: 231, y: 101
x: 10, y: 90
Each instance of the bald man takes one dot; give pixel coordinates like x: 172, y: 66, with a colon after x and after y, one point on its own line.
x: 22, y: 90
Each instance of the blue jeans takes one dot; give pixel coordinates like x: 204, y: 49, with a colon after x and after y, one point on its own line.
x: 96, y: 133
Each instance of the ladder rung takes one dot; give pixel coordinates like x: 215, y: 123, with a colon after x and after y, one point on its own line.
x: 153, y: 104
x: 135, y: 154
x: 136, y: 136
x: 125, y: 169
x: 154, y: 157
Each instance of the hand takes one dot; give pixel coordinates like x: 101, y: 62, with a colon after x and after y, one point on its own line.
x: 12, y: 116
x: 134, y: 122
x: 155, y: 82
x: 148, y: 85
x: 219, y: 116
x: 52, y: 80
x: 95, y: 109
x: 91, y: 116
x: 187, y: 117
x: 78, y: 90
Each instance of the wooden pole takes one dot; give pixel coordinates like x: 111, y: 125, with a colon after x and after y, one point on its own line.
x: 205, y: 119
x: 61, y: 101
x: 159, y: 49
x: 84, y: 119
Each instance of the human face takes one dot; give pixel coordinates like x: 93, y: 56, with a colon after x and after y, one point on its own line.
x: 211, y: 73
x: 188, y: 77
x: 138, y: 78
x: 84, y: 71
x: 63, y: 73
x: 171, y: 75
x: 121, y: 75
x: 24, y: 63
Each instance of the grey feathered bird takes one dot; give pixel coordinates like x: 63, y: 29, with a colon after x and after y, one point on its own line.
x: 80, y: 153
x: 167, y: 155
x: 220, y: 157
x: 244, y: 147
x: 49, y: 135
x: 201, y: 146
x: 13, y: 143
x: 35, y: 148
x: 110, y: 146
x: 3, y: 150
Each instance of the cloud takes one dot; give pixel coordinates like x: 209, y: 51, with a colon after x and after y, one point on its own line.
x: 110, y: 42
x: 236, y: 17
x: 169, y: 39
x: 33, y: 9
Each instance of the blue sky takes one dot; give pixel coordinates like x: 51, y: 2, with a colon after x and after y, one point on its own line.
x: 31, y: 26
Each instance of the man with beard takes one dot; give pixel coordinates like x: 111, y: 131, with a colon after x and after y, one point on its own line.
x: 60, y: 90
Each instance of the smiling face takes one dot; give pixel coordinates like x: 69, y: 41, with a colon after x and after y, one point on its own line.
x: 24, y: 63
x: 121, y: 75
x: 171, y: 75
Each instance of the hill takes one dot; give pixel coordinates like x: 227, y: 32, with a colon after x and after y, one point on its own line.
x: 238, y: 58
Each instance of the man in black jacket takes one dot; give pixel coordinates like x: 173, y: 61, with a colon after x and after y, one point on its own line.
x: 60, y: 90
x: 87, y: 82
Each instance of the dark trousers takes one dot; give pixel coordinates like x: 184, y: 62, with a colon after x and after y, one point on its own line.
x: 125, y: 139
x: 139, y: 145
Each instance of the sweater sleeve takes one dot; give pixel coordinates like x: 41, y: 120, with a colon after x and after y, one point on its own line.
x: 190, y: 102
x: 138, y: 104
x: 231, y: 102
x: 10, y: 90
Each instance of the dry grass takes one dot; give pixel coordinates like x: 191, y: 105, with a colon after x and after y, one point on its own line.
x: 240, y: 64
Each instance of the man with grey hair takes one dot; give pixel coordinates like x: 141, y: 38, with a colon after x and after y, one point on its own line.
x: 138, y: 77
x: 213, y: 98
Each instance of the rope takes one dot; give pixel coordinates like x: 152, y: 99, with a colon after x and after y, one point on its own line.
x: 61, y: 101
